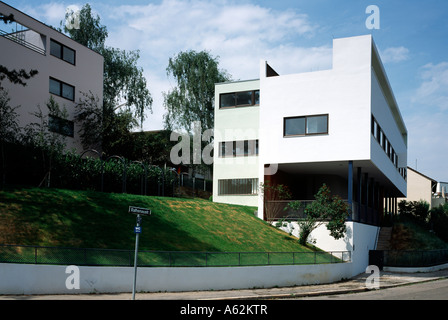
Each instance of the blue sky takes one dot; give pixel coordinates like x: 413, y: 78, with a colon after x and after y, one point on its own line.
x: 294, y: 36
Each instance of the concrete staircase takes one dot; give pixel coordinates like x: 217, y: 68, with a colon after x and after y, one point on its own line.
x: 384, y: 238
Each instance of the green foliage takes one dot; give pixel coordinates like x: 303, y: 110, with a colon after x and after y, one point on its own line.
x: 272, y: 194
x: 123, y: 81
x: 86, y: 219
x: 193, y: 98
x: 9, y: 123
x: 90, y: 114
x: 328, y: 209
x: 9, y: 129
x: 439, y: 221
x: 39, y: 135
x: 16, y: 77
x: 90, y: 32
x: 415, y: 210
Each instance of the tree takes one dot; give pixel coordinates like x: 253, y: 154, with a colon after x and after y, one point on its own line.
x: 126, y: 97
x: 9, y: 128
x: 272, y: 195
x: 16, y: 77
x: 328, y: 209
x: 192, y: 100
x: 41, y: 135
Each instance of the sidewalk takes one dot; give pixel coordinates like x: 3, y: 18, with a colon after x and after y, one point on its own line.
x: 356, y: 284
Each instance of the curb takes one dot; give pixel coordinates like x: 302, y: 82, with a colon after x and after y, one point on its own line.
x: 319, y: 293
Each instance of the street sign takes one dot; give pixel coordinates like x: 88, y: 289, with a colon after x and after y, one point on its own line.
x: 137, y: 230
x: 137, y: 210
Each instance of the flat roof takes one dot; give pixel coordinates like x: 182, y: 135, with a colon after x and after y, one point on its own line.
x: 237, y: 81
x: 44, y: 25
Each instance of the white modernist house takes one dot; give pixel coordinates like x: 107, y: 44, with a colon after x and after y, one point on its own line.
x: 65, y: 69
x: 341, y: 127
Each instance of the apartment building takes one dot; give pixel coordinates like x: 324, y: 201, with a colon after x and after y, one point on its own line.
x: 66, y: 69
x: 341, y: 127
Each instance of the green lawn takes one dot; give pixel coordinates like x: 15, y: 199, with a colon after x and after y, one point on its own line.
x: 83, y: 219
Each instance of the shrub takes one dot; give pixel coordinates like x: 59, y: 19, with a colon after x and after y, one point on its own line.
x: 439, y: 221
x: 417, y: 211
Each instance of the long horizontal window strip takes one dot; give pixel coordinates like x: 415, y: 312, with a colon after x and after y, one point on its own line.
x: 305, y: 125
x: 238, y: 186
x: 239, y: 99
x: 243, y: 148
x: 385, y: 144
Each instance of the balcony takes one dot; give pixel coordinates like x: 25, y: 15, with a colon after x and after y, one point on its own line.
x: 23, y: 36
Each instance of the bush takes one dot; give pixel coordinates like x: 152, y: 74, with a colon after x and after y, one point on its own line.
x: 417, y: 211
x: 439, y: 221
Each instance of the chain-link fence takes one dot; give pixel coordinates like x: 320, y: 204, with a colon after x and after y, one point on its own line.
x: 415, y: 258
x: 113, y: 257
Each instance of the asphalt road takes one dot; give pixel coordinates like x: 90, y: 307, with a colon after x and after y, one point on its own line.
x: 433, y: 290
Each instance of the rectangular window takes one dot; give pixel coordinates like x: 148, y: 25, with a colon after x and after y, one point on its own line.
x: 239, y: 99
x: 238, y: 149
x: 238, y: 186
x: 295, y: 126
x: 55, y: 49
x: 242, y: 148
x: 316, y: 125
x: 62, y: 52
x: 55, y: 87
x: 61, y: 126
x: 62, y: 89
x: 227, y: 100
x: 308, y: 125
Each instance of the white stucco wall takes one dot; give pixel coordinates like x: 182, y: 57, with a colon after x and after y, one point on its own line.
x: 235, y: 124
x: 85, y: 76
x: 46, y: 279
x: 359, y: 239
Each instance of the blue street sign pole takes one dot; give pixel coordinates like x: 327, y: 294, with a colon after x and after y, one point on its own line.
x: 137, y: 230
x: 137, y: 234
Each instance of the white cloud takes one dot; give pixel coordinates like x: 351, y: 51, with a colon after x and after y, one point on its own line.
x: 394, y: 54
x: 51, y: 13
x: 427, y: 124
x: 433, y: 90
x: 240, y: 34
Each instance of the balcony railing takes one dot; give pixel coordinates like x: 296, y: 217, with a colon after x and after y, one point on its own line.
x: 358, y: 213
x: 20, y: 38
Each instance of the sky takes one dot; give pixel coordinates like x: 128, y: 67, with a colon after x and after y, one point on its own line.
x: 293, y: 36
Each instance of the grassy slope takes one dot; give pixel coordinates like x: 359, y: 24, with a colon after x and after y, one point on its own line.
x: 53, y: 217
x: 408, y: 235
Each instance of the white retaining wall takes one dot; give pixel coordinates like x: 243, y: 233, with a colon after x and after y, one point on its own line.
x: 50, y: 279
x: 359, y: 240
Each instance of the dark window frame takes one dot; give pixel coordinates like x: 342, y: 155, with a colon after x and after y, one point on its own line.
x: 62, y: 126
x: 386, y: 145
x: 61, y: 89
x: 236, y: 105
x: 246, y: 144
x: 238, y: 187
x: 61, y: 53
x: 306, y: 127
